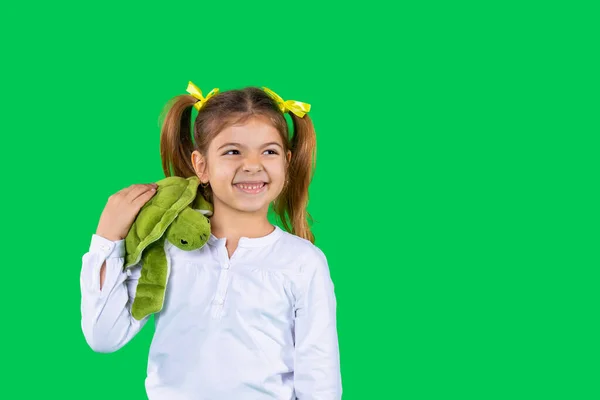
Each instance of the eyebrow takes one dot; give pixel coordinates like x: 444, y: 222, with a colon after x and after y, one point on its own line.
x: 241, y: 145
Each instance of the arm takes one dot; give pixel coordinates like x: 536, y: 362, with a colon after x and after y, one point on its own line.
x: 317, y: 362
x: 106, y: 318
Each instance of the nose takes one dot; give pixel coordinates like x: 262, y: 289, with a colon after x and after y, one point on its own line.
x: 252, y: 164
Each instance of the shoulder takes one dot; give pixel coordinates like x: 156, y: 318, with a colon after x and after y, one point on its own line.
x: 313, y: 274
x: 309, y: 256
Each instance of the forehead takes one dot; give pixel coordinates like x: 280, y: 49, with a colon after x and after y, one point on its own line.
x: 253, y: 133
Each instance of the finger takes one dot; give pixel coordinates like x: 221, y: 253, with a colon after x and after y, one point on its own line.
x: 125, y: 191
x: 138, y: 191
x: 144, y: 198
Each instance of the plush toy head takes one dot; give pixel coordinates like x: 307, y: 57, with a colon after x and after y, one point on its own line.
x: 176, y: 213
x: 189, y: 231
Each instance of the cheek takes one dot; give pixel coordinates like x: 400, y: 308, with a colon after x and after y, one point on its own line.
x: 277, y: 171
x: 221, y: 175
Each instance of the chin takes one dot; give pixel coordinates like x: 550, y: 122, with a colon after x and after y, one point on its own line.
x: 250, y: 207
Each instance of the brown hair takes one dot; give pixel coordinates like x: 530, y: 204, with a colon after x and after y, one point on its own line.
x: 229, y: 108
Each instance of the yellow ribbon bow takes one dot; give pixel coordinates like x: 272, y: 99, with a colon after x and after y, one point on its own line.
x: 297, y: 107
x: 194, y: 91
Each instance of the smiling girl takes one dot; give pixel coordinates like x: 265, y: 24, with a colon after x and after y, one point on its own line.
x: 252, y: 314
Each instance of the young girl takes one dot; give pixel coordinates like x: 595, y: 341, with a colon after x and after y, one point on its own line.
x: 252, y: 314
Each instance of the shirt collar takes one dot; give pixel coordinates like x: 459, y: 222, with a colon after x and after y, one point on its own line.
x: 250, y: 242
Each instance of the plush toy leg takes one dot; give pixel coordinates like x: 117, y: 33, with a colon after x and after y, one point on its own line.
x: 152, y: 284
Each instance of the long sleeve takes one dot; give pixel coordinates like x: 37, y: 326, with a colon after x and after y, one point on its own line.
x: 106, y: 318
x: 317, y: 374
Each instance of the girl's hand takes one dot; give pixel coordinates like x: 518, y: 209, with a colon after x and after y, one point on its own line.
x: 121, y: 210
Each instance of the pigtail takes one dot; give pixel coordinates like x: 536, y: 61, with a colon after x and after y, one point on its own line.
x: 294, y: 198
x: 176, y: 144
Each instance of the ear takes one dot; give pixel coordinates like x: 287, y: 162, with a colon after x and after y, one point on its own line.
x: 200, y: 166
x: 289, y: 156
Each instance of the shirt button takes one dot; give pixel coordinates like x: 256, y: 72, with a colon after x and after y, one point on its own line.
x: 226, y: 265
x: 128, y: 272
x: 104, y: 247
x: 219, y: 301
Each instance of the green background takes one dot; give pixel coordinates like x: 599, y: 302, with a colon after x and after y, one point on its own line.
x: 455, y: 193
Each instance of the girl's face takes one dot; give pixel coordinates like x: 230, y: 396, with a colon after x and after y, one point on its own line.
x: 245, y: 166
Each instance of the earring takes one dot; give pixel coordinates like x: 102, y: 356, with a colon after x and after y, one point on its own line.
x: 204, y: 184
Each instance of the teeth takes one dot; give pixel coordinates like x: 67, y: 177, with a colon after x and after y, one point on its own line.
x: 250, y: 187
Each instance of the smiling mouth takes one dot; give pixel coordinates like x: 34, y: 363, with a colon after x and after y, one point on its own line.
x: 251, y: 187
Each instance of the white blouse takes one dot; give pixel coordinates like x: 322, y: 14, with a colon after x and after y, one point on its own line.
x: 261, y: 325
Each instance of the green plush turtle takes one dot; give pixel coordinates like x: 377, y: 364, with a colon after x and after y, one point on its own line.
x: 178, y: 213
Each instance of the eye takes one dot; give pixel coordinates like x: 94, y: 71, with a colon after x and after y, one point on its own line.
x: 228, y: 152
x: 272, y: 151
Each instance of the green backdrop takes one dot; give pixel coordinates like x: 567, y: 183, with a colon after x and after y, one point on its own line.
x: 455, y: 194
